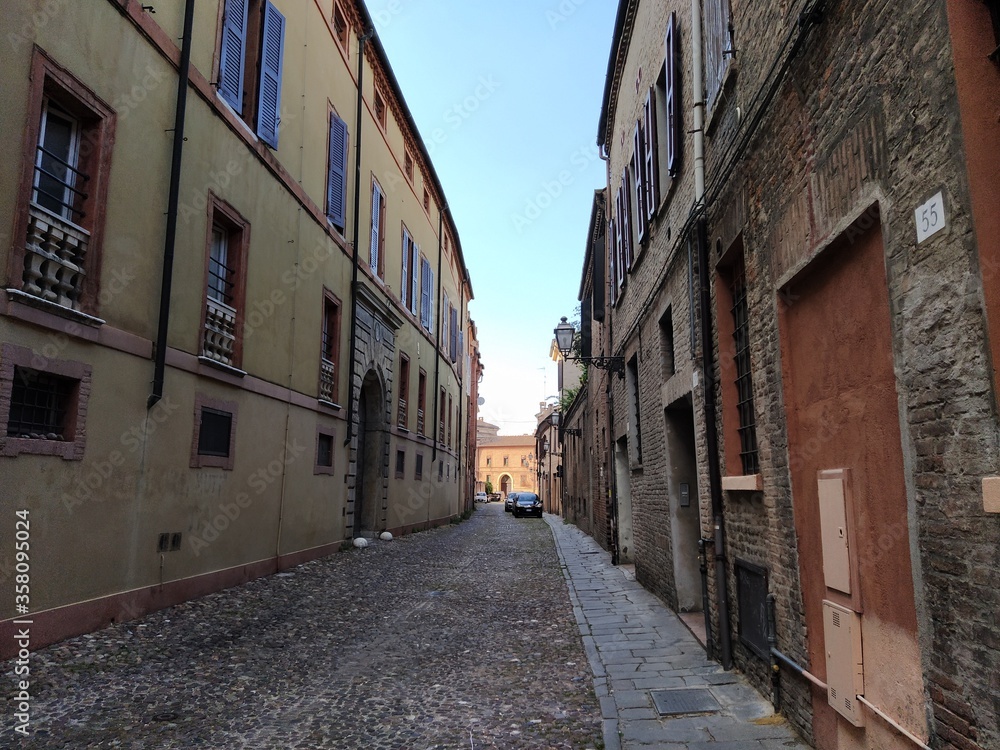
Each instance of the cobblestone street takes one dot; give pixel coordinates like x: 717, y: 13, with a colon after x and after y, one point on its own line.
x: 460, y: 637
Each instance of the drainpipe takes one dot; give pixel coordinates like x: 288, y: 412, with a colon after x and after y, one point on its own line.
x: 170, y: 236
x: 357, y: 212
x: 437, y: 332
x: 708, y: 363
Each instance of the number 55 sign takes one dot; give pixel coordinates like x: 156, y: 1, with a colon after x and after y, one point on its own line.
x: 929, y: 217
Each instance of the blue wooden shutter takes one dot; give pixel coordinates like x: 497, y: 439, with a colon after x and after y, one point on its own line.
x: 443, y: 332
x: 376, y: 224
x: 672, y: 94
x: 425, y: 294
x: 652, y: 167
x: 232, y: 53
x: 414, y: 254
x: 272, y: 45
x: 453, y: 344
x: 404, y: 283
x: 336, y: 189
x: 627, y: 220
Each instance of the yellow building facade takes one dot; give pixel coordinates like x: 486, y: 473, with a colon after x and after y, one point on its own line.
x: 507, y: 463
x: 201, y: 381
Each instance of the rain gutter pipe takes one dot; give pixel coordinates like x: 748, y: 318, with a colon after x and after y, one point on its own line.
x: 170, y: 235
x: 357, y: 213
x: 708, y: 359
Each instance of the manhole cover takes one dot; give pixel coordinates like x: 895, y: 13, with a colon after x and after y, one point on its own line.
x: 166, y: 716
x: 689, y: 701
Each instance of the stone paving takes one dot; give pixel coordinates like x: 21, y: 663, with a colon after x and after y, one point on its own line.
x: 460, y: 637
x: 638, y: 647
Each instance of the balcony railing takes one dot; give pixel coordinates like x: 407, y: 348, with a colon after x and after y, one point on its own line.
x: 326, y: 381
x: 219, y: 340
x: 54, y: 254
x: 420, y: 421
x: 401, y: 413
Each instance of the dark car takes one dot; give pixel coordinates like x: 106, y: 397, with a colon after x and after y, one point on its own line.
x: 508, y: 504
x: 527, y: 504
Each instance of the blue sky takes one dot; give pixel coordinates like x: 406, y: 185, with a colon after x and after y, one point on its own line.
x: 507, y: 97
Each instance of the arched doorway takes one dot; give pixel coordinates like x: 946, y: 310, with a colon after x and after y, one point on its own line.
x: 505, y: 485
x: 369, y: 478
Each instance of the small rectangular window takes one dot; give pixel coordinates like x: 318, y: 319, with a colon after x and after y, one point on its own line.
x: 324, y: 451
x: 215, y: 432
x: 427, y: 201
x: 400, y: 463
x: 329, y: 348
x: 418, y: 466
x: 379, y: 109
x: 744, y: 374
x: 408, y: 165
x: 667, y: 343
x: 340, y: 28
x: 40, y: 405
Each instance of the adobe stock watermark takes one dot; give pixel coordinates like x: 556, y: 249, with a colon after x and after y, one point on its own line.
x: 552, y: 189
x: 257, y: 483
x: 41, y: 18
x: 457, y: 114
x: 562, y: 12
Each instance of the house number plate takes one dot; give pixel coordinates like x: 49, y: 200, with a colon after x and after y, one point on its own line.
x: 930, y: 217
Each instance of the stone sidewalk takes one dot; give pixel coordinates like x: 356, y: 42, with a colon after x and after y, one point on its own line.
x: 639, y: 649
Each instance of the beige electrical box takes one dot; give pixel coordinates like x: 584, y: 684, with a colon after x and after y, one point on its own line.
x: 845, y: 674
x: 834, y: 528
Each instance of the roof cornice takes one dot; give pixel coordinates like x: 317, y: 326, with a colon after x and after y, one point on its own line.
x: 624, y: 24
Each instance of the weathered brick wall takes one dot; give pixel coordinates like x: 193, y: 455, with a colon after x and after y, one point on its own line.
x: 868, y: 113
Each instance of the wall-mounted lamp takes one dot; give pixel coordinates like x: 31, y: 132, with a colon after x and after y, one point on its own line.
x: 564, y: 341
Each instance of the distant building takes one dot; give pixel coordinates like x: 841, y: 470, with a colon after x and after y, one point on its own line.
x: 508, y: 463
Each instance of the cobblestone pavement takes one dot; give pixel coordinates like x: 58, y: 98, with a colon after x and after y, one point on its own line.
x: 460, y: 637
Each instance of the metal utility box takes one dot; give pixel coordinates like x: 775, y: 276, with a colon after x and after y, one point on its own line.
x: 834, y: 518
x: 845, y: 674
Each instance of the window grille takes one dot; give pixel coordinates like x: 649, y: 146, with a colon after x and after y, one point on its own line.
x: 58, y: 180
x: 220, y: 273
x: 39, y: 404
x: 744, y: 379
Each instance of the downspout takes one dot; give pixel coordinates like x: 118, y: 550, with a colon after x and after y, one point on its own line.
x: 708, y: 361
x: 437, y: 332
x: 357, y: 213
x: 170, y: 235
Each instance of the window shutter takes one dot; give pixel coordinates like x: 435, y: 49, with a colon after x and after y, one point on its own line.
x: 404, y: 284
x: 627, y: 220
x: 272, y: 44
x: 430, y: 297
x: 586, y: 326
x: 599, y: 275
x: 336, y: 191
x: 414, y: 254
x: 454, y: 334
x: 444, y: 322
x: 376, y: 223
x: 232, y: 54
x: 425, y: 294
x: 639, y: 175
x: 652, y: 167
x: 673, y: 94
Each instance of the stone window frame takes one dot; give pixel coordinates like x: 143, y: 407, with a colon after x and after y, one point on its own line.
x: 12, y: 356
x: 342, y: 35
x: 49, y: 79
x: 400, y: 463
x: 199, y: 461
x: 318, y: 468
x: 223, y: 215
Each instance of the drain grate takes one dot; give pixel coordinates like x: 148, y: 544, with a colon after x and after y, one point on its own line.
x: 686, y: 701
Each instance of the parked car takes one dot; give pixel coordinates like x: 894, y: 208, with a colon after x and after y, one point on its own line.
x: 508, y: 504
x: 494, y: 497
x: 527, y: 504
x: 481, y: 497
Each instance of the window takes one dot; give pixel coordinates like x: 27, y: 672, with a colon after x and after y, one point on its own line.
x: 418, y: 466
x: 667, y: 344
x: 336, y: 185
x: 426, y: 294
x: 408, y: 279
x: 637, y: 170
x: 375, y: 253
x: 408, y: 165
x: 250, y: 62
x: 225, y: 284
x: 718, y: 47
x: 43, y: 404
x: 450, y: 407
x: 650, y: 164
x: 440, y: 471
x: 506, y: 460
x: 744, y: 379
x: 445, y: 320
x: 214, y: 433
x: 65, y: 183
x: 453, y: 329
x: 994, y: 8
x: 441, y: 417
x: 400, y: 463
x: 427, y: 201
x: 329, y: 348
x: 635, y: 408
x: 671, y: 98
x: 489, y: 460
x: 421, y: 401
x: 379, y: 109
x: 340, y: 27
x: 404, y: 389
x: 628, y: 251
x: 324, y: 450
